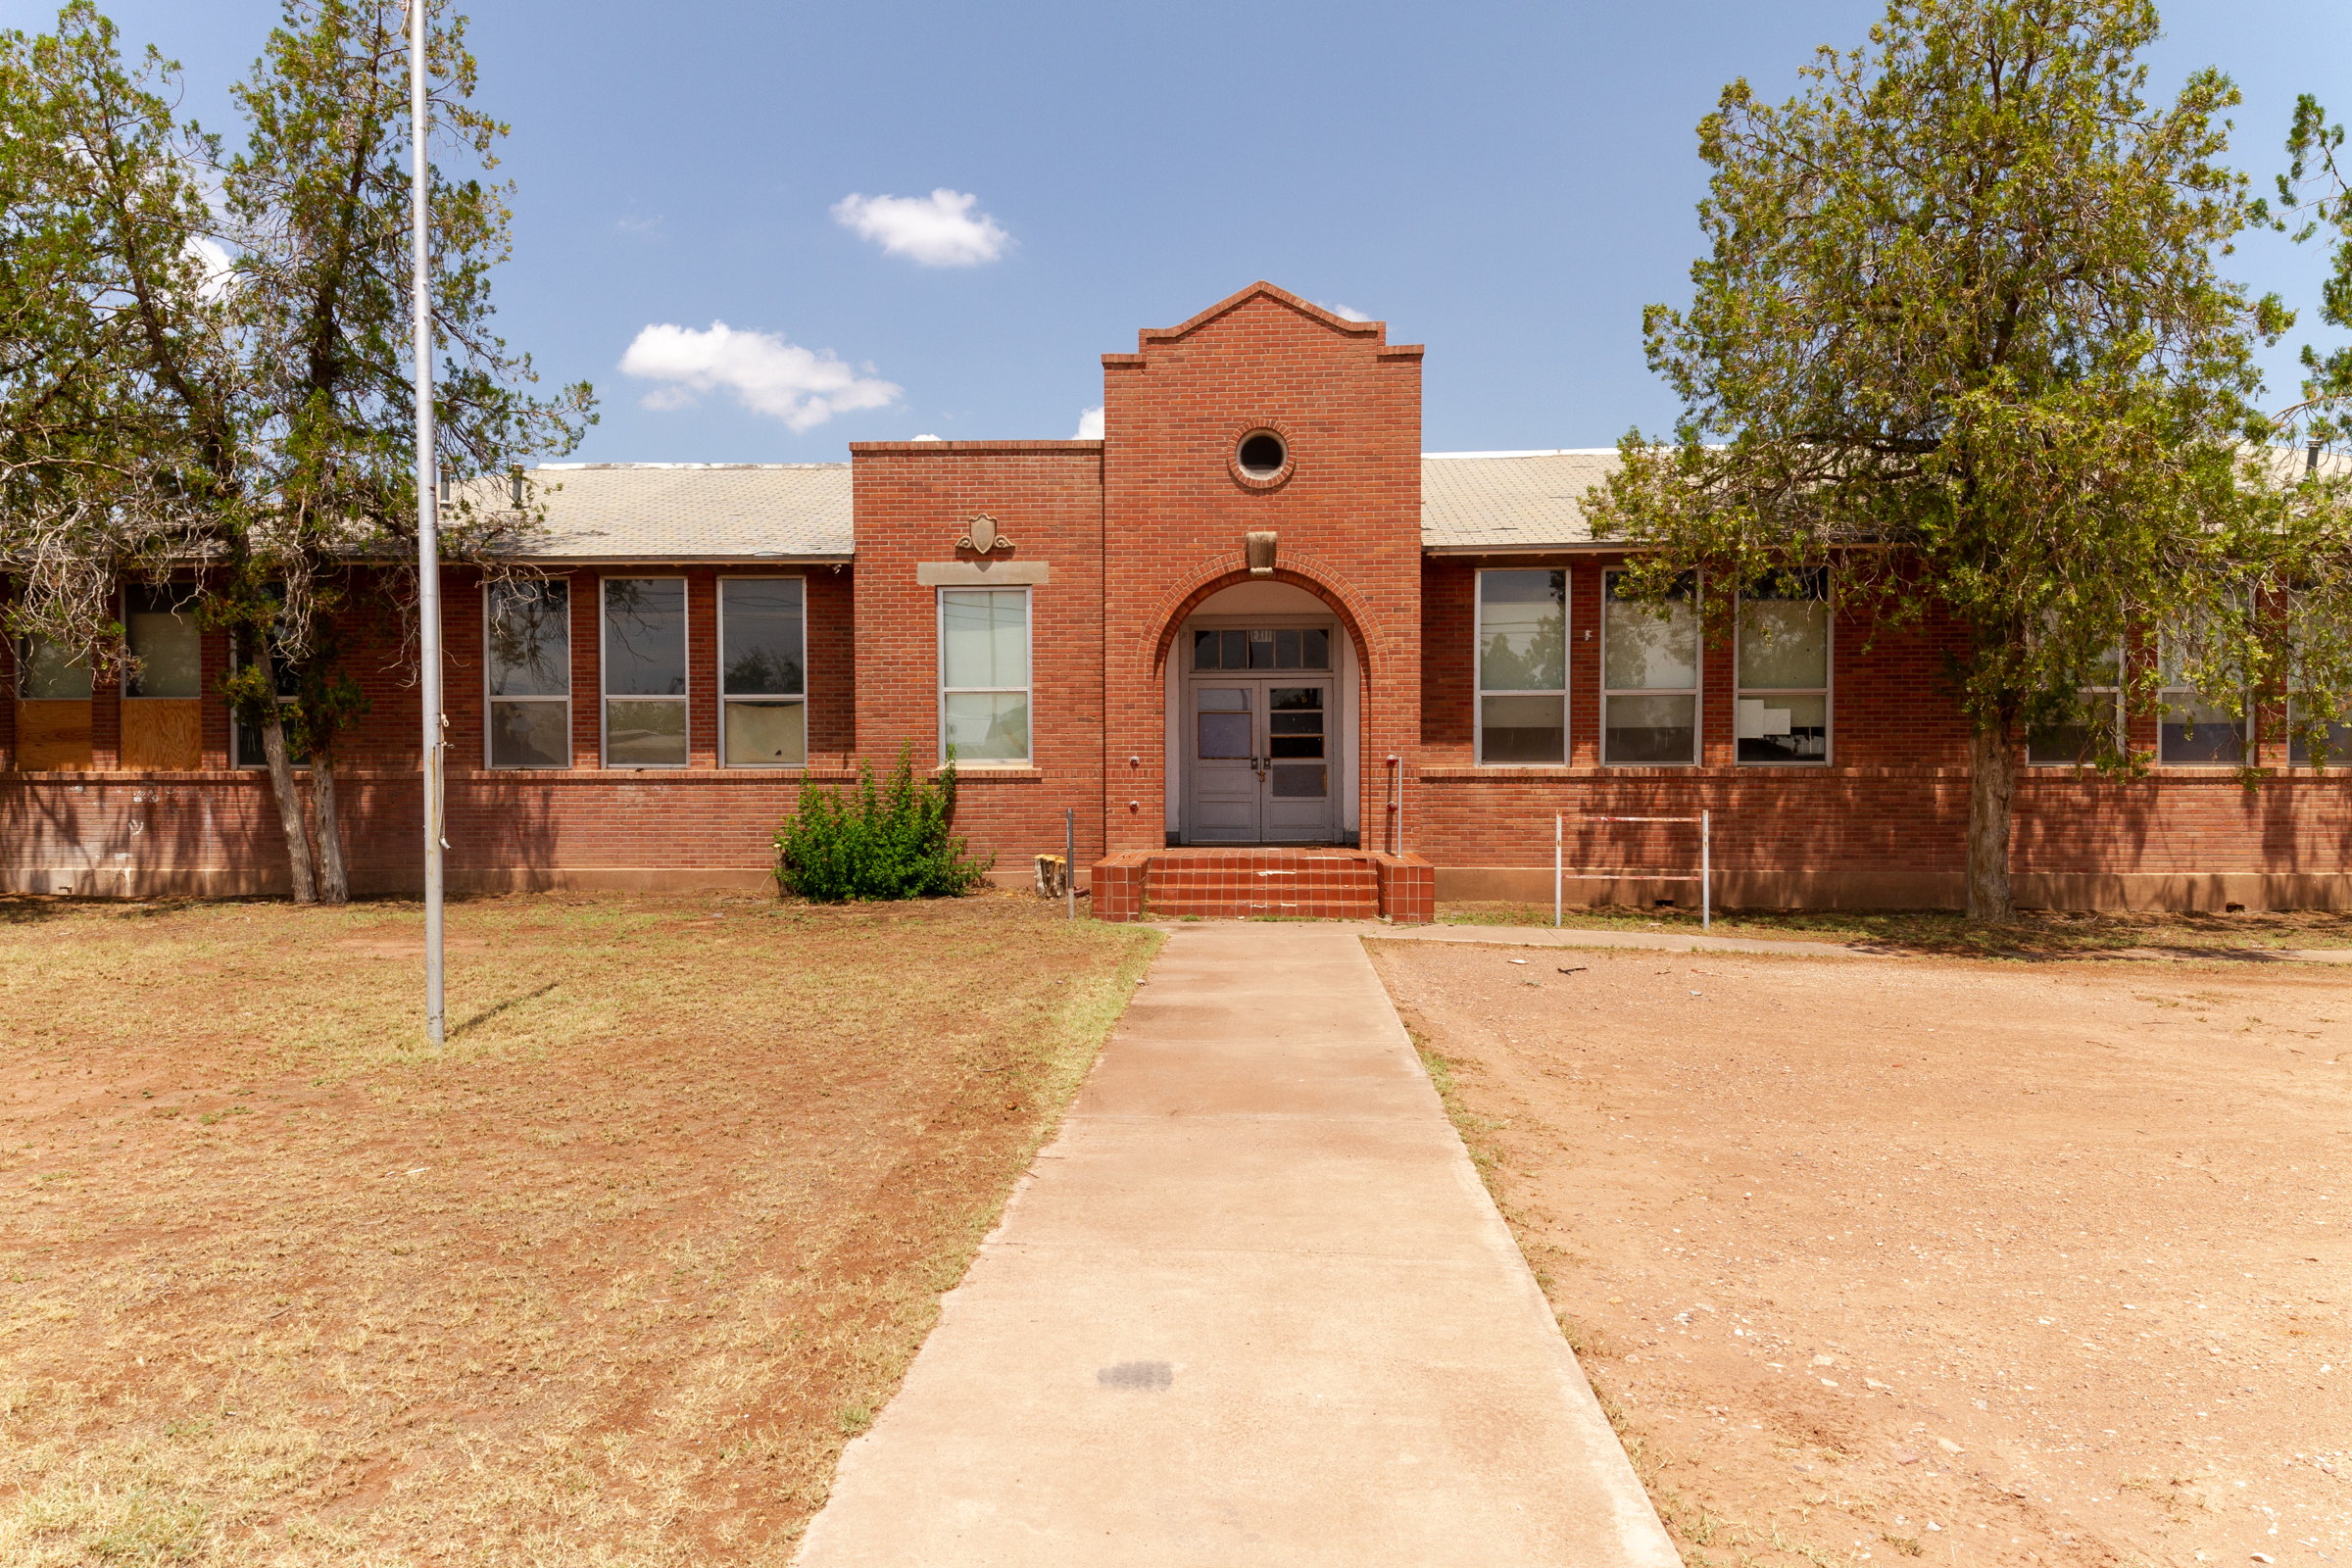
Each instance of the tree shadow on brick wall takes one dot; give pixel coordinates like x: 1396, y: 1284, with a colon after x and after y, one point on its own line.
x: 2067, y: 825
x: 112, y: 840
x: 502, y: 834
x: 2304, y: 824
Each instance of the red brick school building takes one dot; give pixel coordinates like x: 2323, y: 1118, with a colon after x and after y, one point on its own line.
x: 1275, y: 657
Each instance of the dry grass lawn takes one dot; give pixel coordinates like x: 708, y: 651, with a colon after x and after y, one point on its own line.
x: 611, y: 1279
x: 1974, y: 1263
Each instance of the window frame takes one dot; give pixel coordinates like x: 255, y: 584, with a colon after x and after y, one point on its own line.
x: 1212, y: 625
x: 237, y: 725
x: 2166, y: 690
x: 1827, y: 691
x: 2116, y: 717
x: 604, y: 693
x: 938, y: 653
x: 490, y: 701
x: 2337, y: 757
x: 1478, y: 679
x: 21, y: 652
x: 1698, y: 689
x: 2296, y: 688
x: 122, y: 690
x: 720, y: 676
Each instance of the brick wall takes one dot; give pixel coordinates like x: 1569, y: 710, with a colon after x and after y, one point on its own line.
x: 914, y: 500
x: 1138, y: 529
x: 215, y: 830
x: 1347, y: 515
x: 1885, y: 824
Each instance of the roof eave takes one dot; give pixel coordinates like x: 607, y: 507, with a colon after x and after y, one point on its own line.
x: 1529, y: 548
x: 774, y: 558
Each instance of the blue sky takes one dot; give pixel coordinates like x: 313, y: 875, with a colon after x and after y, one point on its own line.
x: 1508, y: 184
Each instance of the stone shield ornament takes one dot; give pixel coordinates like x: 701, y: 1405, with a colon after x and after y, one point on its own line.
x: 981, y: 536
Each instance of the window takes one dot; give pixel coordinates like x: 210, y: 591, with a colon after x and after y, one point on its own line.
x: 2336, y: 740
x: 48, y: 673
x: 2076, y: 742
x: 1261, y: 455
x: 1295, y: 742
x: 165, y: 642
x: 984, y: 674
x: 1522, y: 666
x: 1648, y: 678
x: 2193, y: 731
x: 163, y: 716
x: 645, y: 671
x: 528, y: 662
x: 1783, y: 711
x: 2332, y: 747
x: 1263, y: 648
x: 762, y: 684
x: 53, y: 720
x: 245, y: 738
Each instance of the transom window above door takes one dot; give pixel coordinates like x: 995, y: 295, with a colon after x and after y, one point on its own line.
x: 1263, y: 648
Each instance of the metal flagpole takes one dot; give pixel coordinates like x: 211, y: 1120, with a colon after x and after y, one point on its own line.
x: 428, y: 563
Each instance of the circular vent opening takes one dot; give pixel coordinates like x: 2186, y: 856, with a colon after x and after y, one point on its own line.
x: 1262, y: 454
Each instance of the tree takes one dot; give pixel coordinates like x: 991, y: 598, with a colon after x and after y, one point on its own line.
x: 1962, y: 337
x: 251, y: 367
x: 113, y: 457
x: 317, y: 206
x: 2315, y: 189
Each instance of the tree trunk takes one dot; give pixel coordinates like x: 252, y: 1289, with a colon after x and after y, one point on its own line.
x: 334, y: 883
x: 1991, y: 789
x: 289, y: 808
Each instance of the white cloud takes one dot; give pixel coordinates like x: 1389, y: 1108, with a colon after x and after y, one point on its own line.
x: 1090, y: 425
x: 219, y: 271
x: 766, y: 375
x: 939, y: 229
x: 1346, y: 313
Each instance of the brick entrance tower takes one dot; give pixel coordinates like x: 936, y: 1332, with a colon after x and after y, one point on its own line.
x: 1181, y: 503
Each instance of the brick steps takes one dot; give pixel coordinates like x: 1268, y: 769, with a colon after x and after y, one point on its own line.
x: 1230, y: 884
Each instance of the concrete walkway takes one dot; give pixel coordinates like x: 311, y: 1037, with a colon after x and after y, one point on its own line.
x: 1251, y: 1306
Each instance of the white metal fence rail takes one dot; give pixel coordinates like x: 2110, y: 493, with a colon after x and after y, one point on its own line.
x: 1705, y: 879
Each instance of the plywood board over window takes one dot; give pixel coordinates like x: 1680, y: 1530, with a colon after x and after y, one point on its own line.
x: 163, y: 718
x: 53, y: 710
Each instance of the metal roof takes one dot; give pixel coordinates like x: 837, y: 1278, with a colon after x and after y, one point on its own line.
x: 672, y: 512
x: 1497, y: 502
x: 678, y: 511
x: 1472, y: 503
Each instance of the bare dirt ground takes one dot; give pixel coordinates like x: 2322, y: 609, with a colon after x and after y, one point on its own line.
x: 2036, y: 933
x: 1973, y: 1262
x: 609, y: 1280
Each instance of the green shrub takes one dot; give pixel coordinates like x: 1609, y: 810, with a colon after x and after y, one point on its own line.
x: 890, y: 840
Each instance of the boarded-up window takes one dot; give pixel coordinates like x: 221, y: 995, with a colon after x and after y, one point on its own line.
x: 162, y: 690
x: 53, y: 709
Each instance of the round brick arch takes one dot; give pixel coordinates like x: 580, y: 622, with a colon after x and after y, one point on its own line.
x: 1213, y: 577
